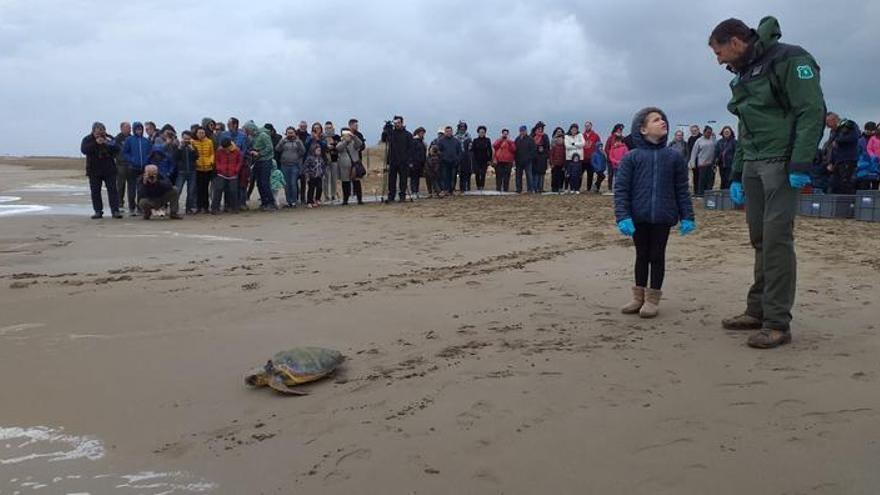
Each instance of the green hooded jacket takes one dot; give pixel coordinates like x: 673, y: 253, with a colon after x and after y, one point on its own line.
x: 262, y: 141
x: 779, y: 103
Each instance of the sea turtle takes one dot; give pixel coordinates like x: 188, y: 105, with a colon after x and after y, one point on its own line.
x: 293, y: 367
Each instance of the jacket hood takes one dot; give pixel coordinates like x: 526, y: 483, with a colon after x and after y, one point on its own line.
x: 767, y: 35
x: 250, y: 126
x: 637, y: 121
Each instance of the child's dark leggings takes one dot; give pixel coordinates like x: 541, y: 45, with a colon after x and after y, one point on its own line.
x: 650, y: 240
x: 314, y: 192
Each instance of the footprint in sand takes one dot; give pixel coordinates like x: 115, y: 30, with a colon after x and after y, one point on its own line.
x: 485, y: 474
x: 663, y: 445
x: 789, y: 402
x: 743, y: 384
x: 475, y: 413
x: 862, y: 376
x: 338, y: 472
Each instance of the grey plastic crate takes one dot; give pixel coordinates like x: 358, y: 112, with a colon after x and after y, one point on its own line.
x: 727, y: 203
x: 827, y: 205
x: 712, y: 200
x: 867, y: 207
x: 719, y: 200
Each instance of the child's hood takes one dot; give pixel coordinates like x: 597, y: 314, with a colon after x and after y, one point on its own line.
x: 636, y: 126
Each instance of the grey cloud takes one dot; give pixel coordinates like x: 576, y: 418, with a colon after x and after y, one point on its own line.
x: 495, y: 63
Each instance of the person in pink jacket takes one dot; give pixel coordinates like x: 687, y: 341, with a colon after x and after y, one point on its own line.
x: 874, y: 146
x: 616, y: 152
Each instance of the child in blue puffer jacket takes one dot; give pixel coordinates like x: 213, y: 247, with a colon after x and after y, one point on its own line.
x: 650, y: 196
x: 599, y: 162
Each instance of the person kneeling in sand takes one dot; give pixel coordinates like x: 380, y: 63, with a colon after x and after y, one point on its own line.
x: 156, y: 191
x: 650, y: 196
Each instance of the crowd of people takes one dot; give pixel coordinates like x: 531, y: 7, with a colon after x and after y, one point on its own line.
x: 849, y: 160
x: 217, y: 166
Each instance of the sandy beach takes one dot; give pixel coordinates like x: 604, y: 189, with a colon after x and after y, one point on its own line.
x: 485, y: 352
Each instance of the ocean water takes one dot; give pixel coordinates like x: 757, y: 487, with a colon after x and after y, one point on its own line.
x: 45, y: 459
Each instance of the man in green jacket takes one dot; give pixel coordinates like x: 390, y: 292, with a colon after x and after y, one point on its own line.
x: 778, y: 101
x: 263, y: 153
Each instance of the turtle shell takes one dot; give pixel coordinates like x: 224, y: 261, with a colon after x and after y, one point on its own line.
x: 306, y: 364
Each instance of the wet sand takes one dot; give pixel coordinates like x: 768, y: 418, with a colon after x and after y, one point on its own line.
x: 485, y: 353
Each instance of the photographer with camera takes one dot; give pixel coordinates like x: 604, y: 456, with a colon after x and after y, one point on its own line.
x: 121, y: 164
x: 353, y: 127
x: 100, y: 150
x: 399, y: 144
x: 156, y: 192
x: 332, y: 176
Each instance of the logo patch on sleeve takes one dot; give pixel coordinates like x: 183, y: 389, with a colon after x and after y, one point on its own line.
x: 805, y: 72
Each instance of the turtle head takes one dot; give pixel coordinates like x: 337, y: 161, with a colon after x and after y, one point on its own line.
x: 259, y: 377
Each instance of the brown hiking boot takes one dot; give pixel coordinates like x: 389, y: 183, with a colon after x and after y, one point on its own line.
x: 742, y: 322
x: 652, y: 301
x: 635, y: 305
x: 768, y: 338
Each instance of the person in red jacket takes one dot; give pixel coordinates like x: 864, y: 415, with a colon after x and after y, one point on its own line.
x: 504, y: 151
x: 591, y: 142
x: 227, y: 166
x: 557, y: 161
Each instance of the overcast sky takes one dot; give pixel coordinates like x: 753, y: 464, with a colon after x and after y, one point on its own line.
x: 66, y: 64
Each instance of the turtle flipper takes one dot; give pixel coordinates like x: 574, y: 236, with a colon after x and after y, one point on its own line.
x: 277, y: 384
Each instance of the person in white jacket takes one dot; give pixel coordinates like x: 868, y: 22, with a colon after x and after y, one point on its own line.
x: 574, y: 145
x: 703, y: 158
x: 574, y: 142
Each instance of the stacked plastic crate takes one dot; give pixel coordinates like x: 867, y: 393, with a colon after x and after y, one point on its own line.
x: 867, y: 206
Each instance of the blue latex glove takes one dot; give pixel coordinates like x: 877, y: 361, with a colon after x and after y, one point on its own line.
x: 736, y: 193
x: 687, y: 226
x: 798, y: 180
x: 626, y: 227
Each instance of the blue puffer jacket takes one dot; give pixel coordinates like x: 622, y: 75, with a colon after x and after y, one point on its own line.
x: 239, y: 138
x: 136, y: 151
x: 161, y: 158
x: 599, y: 162
x: 651, y: 184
